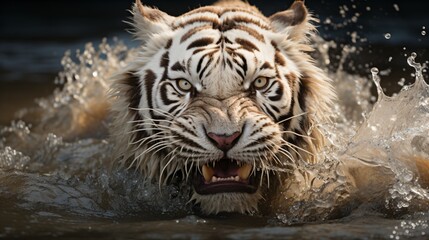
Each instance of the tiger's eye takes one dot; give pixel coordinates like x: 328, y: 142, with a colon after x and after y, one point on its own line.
x: 260, y: 83
x: 184, y: 85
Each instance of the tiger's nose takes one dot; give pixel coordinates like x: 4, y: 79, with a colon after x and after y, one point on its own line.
x: 224, y: 142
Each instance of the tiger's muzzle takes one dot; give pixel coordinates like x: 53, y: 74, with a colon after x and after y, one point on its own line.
x: 237, y: 139
x: 225, y: 175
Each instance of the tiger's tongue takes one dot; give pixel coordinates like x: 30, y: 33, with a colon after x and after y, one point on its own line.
x: 225, y: 168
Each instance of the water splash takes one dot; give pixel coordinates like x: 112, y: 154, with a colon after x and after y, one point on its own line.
x: 12, y: 159
x: 395, y: 129
x: 60, y: 149
x: 411, y: 60
x: 377, y: 80
x: 57, y: 156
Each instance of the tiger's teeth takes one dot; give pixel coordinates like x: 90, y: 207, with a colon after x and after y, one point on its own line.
x: 244, y: 171
x: 207, y: 173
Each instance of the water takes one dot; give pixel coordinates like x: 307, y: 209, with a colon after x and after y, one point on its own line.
x: 56, y: 181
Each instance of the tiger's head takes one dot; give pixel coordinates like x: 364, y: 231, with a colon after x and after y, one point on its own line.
x: 222, y: 96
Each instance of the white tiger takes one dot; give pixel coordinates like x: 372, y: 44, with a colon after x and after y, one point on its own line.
x: 221, y: 96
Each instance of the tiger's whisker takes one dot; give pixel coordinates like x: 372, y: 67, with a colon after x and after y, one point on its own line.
x: 162, y: 112
x: 163, y: 169
x: 292, y: 117
x: 298, y: 134
x: 295, y: 146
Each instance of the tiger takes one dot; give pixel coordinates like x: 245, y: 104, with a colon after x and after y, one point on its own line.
x: 223, y: 98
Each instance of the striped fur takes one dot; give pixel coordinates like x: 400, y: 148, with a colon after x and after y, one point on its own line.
x: 220, y: 50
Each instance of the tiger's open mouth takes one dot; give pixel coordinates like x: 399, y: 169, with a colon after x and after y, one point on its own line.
x: 225, y: 175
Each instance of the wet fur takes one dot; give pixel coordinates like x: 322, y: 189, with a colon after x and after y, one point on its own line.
x: 152, y: 28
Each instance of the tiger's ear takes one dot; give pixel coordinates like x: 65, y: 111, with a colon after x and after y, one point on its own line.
x: 293, y: 22
x: 148, y: 21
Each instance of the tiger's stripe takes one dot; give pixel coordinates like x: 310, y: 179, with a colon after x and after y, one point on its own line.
x: 220, y: 51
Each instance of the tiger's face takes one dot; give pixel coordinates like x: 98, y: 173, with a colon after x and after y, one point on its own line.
x: 220, y: 94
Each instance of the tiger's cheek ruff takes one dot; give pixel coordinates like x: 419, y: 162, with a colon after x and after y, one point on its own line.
x: 196, y: 77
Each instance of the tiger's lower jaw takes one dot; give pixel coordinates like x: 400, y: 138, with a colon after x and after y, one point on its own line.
x: 227, y: 186
x: 226, y: 176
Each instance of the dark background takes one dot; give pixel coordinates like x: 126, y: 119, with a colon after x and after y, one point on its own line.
x: 35, y: 34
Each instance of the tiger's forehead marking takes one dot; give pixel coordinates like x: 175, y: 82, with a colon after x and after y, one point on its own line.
x: 220, y: 47
x: 215, y: 15
x: 221, y: 62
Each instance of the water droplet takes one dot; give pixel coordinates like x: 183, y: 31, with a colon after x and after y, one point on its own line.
x: 387, y: 35
x: 418, y: 67
x: 396, y: 7
x: 368, y: 8
x: 423, y: 32
x: 390, y: 59
x: 412, y: 62
x: 376, y: 79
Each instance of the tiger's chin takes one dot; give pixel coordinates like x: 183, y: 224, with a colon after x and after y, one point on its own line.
x: 227, y: 186
x: 239, y: 202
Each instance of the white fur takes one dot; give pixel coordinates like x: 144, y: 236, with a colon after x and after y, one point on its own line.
x: 154, y: 28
